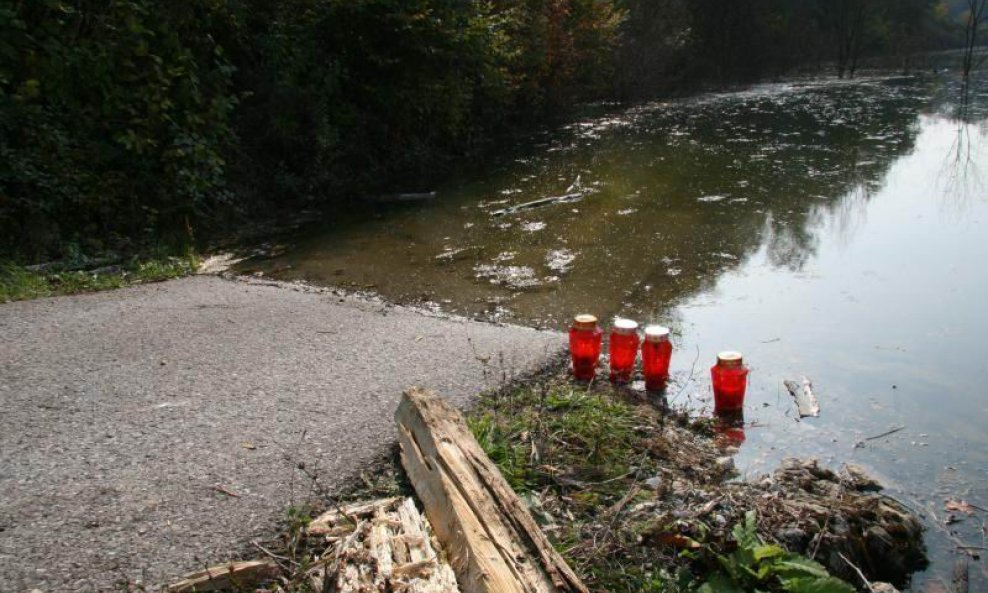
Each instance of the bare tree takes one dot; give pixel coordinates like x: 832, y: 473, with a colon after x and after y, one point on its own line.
x: 975, y: 16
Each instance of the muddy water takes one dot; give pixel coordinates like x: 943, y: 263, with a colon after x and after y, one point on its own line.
x: 837, y: 230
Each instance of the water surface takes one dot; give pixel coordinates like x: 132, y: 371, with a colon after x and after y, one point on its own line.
x: 832, y: 229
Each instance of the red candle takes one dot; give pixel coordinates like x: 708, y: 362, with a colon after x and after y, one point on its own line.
x: 656, y: 352
x: 623, y: 349
x: 584, y: 346
x: 730, y: 378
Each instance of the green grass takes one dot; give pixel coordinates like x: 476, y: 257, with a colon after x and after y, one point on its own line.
x: 18, y: 283
x: 578, y: 456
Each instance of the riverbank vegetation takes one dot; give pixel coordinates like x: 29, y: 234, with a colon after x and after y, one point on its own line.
x: 73, y: 276
x: 131, y: 123
x: 638, y: 497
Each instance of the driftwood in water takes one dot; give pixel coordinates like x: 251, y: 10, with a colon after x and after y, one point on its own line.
x: 574, y: 197
x: 806, y: 401
x: 493, y: 542
x: 233, y: 575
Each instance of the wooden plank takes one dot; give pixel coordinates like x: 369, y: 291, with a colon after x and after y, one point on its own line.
x: 493, y: 543
x: 234, y: 575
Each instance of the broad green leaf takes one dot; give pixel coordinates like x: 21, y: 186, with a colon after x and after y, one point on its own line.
x: 817, y: 585
x: 800, y: 566
x: 763, y: 552
x: 720, y: 583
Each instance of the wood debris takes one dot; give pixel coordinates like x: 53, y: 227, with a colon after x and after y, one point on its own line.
x: 391, y: 550
x: 802, y: 392
x: 494, y: 543
x: 233, y: 575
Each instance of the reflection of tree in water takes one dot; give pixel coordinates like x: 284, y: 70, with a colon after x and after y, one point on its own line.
x: 961, y: 179
x: 859, y: 132
x: 762, y: 172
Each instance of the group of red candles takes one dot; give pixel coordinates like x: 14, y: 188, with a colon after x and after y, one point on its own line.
x: 729, y: 375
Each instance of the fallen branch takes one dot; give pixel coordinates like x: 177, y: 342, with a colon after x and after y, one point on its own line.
x: 574, y: 197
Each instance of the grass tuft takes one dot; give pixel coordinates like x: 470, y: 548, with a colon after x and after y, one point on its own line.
x: 18, y: 283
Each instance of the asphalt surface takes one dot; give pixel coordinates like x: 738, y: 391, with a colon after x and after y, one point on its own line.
x: 125, y: 414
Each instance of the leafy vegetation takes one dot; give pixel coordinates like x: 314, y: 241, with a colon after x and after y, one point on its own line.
x: 582, y: 459
x: 755, y: 566
x: 20, y: 283
x: 125, y: 123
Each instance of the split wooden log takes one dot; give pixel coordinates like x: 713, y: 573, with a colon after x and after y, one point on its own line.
x: 493, y: 542
x: 234, y: 576
x: 802, y: 392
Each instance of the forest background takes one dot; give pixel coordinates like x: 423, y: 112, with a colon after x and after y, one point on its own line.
x: 126, y: 124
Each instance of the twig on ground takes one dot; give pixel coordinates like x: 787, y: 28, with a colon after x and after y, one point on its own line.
x: 857, y: 570
x: 224, y: 490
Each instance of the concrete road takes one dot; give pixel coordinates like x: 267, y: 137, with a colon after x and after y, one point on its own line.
x: 123, y: 414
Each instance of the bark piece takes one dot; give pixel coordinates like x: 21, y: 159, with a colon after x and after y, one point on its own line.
x: 227, y: 576
x: 493, y: 542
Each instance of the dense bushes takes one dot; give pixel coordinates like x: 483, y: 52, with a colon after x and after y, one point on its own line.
x: 115, y: 117
x: 126, y: 121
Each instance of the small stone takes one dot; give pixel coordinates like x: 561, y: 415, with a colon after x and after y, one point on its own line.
x: 794, y: 539
x: 725, y: 464
x: 653, y: 483
x: 859, y: 479
x: 883, y: 588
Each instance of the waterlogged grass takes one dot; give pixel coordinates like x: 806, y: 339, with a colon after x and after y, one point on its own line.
x: 534, y: 434
x: 582, y: 458
x: 18, y: 283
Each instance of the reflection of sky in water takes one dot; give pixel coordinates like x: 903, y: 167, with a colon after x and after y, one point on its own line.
x: 832, y: 229
x: 888, y: 317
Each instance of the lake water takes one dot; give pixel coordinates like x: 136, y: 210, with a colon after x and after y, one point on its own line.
x: 831, y: 229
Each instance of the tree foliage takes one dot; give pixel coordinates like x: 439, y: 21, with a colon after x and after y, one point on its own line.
x: 122, y: 121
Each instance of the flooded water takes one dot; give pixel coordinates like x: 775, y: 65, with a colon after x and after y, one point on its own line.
x: 834, y: 230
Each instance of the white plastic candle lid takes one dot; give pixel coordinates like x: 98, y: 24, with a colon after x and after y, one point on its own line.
x: 625, y: 326
x: 656, y: 333
x: 729, y: 358
x: 585, y: 321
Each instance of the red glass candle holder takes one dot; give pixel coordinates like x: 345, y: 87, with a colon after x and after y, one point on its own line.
x: 656, y: 354
x: 623, y: 349
x: 585, y: 337
x: 730, y: 379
